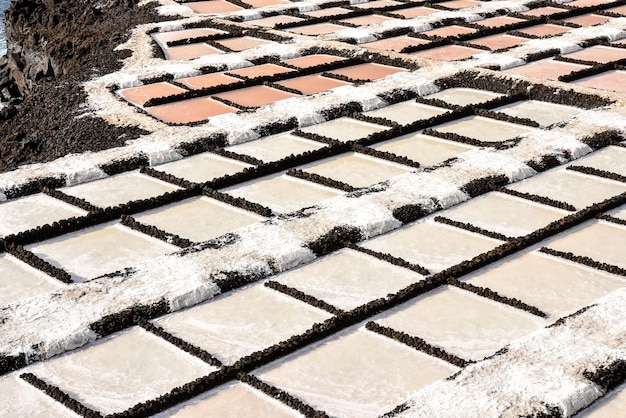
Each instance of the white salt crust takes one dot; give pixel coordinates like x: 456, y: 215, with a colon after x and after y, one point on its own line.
x: 264, y: 248
x: 542, y: 368
x: 160, y: 146
x: 523, y: 378
x: 240, y: 127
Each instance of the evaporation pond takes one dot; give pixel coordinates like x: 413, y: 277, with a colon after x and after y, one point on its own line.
x: 460, y: 322
x: 190, y: 51
x: 609, y: 80
x: 119, y: 189
x: 242, y: 322
x: 546, y: 69
x: 345, y: 129
x: 608, y: 159
x: 599, y: 240
x: 140, y: 95
x: 423, y: 149
x: 367, y: 71
x: 255, y: 96
x: 202, y: 167
x: 543, y: 113
x: 198, y: 219
x: 555, y: 286
x: 29, y: 212
x: 99, y: 250
x: 431, y: 245
x: 282, y: 193
x: 504, y: 214
x: 119, y: 371
x: 355, y: 169
x: 407, y: 112
x: 163, y: 38
x: 232, y: 400
x: 19, y: 281
x: 21, y: 399
x: 275, y: 147
x: 483, y: 129
x: 356, y: 374
x: 316, y: 29
x: 347, y: 279
x: 311, y: 84
x: 461, y: 96
x: 270, y: 22
x: 571, y: 187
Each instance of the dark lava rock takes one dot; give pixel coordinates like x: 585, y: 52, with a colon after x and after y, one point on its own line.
x: 53, y: 46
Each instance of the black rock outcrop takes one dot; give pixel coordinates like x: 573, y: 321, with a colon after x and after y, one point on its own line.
x: 53, y: 46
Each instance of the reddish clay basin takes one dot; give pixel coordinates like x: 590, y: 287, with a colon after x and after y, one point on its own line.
x: 331, y: 11
x: 588, y: 3
x: 366, y: 20
x: 311, y: 84
x: 547, y: 68
x: 449, y: 31
x: 587, y: 20
x: 497, y: 22
x: 242, y: 43
x: 459, y: 4
x: 621, y: 10
x: 189, y: 52
x: 600, y: 54
x: 140, y: 95
x: 544, y: 11
x: 213, y: 6
x: 448, y: 53
x: 545, y: 30
x: 377, y: 4
x: 317, y: 29
x: 255, y: 96
x: 313, y: 60
x: 264, y: 3
x: 207, y: 80
x: 275, y: 20
x: 263, y: 70
x: 367, y: 71
x: 499, y: 41
x: 396, y: 44
x: 164, y: 37
x: 611, y: 81
x: 192, y: 110
x: 416, y: 12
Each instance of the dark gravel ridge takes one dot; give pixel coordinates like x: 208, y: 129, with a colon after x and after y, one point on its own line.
x: 54, y: 46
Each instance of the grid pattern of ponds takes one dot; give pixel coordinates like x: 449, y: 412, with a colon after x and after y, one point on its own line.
x: 367, y: 319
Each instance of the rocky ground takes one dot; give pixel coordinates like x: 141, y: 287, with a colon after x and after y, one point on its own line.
x: 53, y: 46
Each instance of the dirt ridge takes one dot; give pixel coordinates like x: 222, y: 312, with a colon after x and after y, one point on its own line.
x: 52, y: 47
